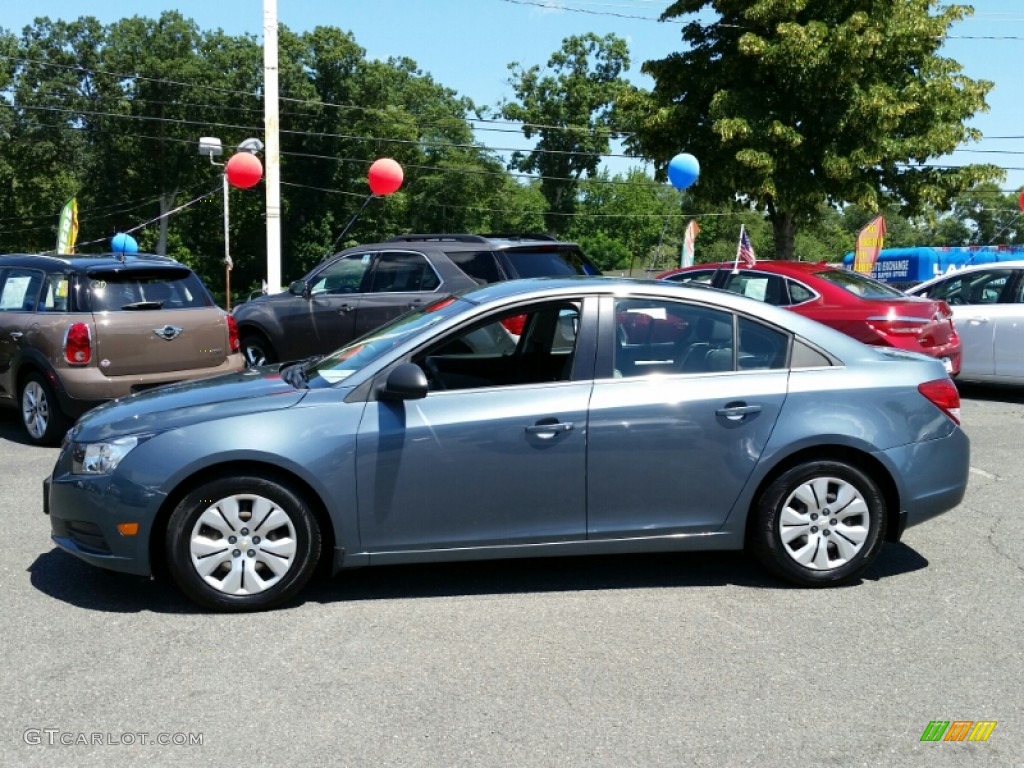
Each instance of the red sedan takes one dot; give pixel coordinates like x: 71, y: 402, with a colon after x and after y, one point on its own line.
x: 847, y: 301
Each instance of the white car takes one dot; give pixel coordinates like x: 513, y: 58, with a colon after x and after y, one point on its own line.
x: 988, y: 311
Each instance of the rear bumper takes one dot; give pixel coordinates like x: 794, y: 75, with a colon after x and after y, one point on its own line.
x: 84, y: 388
x: 934, y: 478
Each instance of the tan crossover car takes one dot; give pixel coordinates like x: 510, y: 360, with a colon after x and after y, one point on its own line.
x: 76, y: 331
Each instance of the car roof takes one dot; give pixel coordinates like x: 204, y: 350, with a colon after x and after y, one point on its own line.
x: 779, y: 266
x: 87, y: 262
x: 1014, y: 264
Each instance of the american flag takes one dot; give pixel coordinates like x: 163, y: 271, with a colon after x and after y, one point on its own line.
x: 745, y: 251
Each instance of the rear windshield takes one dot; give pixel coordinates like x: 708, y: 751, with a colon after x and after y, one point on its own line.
x: 548, y: 262
x: 858, y: 284
x: 137, y: 290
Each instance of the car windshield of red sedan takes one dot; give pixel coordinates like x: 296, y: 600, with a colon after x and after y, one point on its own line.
x: 858, y: 284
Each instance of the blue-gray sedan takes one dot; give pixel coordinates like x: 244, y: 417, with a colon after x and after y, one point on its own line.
x: 527, y: 418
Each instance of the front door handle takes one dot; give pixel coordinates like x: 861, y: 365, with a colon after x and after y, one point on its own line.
x: 16, y: 335
x: 344, y: 309
x: 738, y: 411
x: 549, y: 428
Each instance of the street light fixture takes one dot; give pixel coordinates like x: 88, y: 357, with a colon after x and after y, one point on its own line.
x: 211, y: 147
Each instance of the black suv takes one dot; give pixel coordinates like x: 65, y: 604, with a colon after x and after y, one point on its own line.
x: 361, y: 288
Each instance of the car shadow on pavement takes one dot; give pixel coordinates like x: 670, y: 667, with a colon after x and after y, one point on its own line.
x: 997, y: 393
x: 11, y: 428
x: 578, y: 574
x: 63, y: 577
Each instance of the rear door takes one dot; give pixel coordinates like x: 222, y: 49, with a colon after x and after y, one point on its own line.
x: 678, y: 424
x: 1008, y: 344
x: 154, y: 320
x: 400, y: 281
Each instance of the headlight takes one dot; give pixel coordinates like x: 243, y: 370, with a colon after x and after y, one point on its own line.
x: 100, y: 458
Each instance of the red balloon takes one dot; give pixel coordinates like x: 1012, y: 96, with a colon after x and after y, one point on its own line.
x: 385, y: 176
x: 244, y: 170
x: 1022, y: 200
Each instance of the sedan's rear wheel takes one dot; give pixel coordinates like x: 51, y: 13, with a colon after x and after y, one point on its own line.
x: 242, y: 544
x: 819, y: 524
x: 44, y: 421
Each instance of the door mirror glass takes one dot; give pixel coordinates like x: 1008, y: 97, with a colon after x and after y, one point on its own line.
x: 298, y: 288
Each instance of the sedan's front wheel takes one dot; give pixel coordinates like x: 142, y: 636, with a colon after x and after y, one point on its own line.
x: 819, y: 524
x: 242, y: 544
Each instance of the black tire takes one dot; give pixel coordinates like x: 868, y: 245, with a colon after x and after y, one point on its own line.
x: 236, y: 529
x: 45, y: 423
x: 256, y: 350
x: 819, y: 524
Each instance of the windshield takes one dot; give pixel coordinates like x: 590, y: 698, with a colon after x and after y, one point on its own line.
x: 858, y: 284
x: 339, y: 365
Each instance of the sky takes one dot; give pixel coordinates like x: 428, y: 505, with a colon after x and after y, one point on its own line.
x: 466, y: 45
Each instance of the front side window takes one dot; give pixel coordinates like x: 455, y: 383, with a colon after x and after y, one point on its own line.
x: 345, y: 275
x: 528, y: 345
x: 979, y: 287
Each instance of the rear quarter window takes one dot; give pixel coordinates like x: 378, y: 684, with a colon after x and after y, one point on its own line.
x: 547, y: 262
x: 479, y: 265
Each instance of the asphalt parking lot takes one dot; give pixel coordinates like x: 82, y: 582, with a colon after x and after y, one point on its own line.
x: 674, y: 660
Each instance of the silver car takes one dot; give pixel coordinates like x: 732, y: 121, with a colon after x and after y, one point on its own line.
x: 988, y: 311
x: 526, y: 418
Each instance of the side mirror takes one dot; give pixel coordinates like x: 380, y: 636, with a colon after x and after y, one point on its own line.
x: 299, y: 288
x: 405, y: 382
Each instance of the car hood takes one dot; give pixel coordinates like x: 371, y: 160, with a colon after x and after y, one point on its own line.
x: 164, y: 408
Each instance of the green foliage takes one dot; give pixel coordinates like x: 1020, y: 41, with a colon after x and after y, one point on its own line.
x: 794, y: 104
x: 570, y: 111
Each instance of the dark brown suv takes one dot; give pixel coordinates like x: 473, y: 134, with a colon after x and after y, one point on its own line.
x: 76, y: 331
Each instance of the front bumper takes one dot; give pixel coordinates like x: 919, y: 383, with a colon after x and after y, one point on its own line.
x: 84, y: 513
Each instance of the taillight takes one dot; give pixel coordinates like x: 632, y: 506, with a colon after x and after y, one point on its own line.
x: 892, y: 326
x: 943, y: 394
x: 514, y: 324
x: 233, y: 342
x: 78, y: 344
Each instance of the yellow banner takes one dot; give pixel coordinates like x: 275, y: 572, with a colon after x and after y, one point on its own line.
x: 67, y: 228
x: 869, y: 243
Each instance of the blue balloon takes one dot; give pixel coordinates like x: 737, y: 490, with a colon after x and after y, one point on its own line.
x: 123, y: 243
x: 683, y: 170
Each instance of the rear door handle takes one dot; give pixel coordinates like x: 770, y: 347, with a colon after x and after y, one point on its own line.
x: 737, y: 411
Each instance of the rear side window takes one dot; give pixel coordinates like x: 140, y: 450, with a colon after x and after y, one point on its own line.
x: 401, y: 272
x: 547, y: 262
x: 137, y: 290
x: 479, y: 265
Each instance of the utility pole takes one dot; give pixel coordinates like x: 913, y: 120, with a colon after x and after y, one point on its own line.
x: 272, y: 155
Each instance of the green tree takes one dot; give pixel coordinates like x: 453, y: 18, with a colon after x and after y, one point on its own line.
x: 791, y: 104
x: 570, y: 111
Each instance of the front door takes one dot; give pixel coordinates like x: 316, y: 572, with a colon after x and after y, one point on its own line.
x: 496, y: 452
